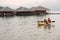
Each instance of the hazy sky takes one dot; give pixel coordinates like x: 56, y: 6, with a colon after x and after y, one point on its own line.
x: 51, y: 4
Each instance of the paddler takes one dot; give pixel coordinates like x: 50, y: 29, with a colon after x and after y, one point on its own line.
x: 45, y: 21
x: 49, y: 20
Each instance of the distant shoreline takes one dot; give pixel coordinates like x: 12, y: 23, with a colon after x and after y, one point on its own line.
x: 53, y: 13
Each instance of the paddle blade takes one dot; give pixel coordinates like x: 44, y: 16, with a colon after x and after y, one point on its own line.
x: 53, y: 21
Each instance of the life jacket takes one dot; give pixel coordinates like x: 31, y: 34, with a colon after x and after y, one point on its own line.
x: 49, y: 20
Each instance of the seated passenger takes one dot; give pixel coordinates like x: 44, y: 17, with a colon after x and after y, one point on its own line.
x: 45, y: 21
x: 49, y: 20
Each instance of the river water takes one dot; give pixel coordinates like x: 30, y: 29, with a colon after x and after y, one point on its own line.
x: 25, y: 28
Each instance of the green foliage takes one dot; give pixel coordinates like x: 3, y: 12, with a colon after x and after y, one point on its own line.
x: 1, y: 7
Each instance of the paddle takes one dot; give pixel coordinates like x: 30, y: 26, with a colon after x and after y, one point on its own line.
x: 53, y: 21
x: 43, y: 21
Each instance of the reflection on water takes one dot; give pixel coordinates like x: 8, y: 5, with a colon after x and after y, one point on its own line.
x: 48, y: 26
x: 25, y: 28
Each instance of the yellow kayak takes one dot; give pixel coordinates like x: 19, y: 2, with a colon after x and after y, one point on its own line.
x: 42, y: 24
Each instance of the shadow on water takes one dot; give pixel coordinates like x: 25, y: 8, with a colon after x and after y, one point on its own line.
x: 47, y: 27
x: 7, y: 17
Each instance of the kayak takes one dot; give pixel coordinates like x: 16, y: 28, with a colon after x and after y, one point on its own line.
x: 42, y: 23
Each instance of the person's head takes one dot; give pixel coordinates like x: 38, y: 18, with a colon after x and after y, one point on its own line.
x: 48, y: 18
x: 44, y: 19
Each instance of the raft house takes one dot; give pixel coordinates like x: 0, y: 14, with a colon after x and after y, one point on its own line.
x: 6, y: 11
x: 23, y: 11
x: 32, y: 11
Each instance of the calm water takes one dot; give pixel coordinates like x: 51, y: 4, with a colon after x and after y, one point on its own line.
x: 25, y: 28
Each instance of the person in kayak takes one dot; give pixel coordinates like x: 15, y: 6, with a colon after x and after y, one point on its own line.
x: 49, y: 20
x: 45, y: 21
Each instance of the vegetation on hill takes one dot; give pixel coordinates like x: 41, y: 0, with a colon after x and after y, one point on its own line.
x: 1, y: 7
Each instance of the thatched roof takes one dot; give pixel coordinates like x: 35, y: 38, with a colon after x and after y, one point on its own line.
x: 32, y: 9
x: 38, y: 8
x: 22, y: 9
x: 6, y: 9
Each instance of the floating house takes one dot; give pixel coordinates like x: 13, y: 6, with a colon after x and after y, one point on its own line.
x: 22, y: 11
x: 32, y: 11
x: 6, y: 11
x: 39, y: 10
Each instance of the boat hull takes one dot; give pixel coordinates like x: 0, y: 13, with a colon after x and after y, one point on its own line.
x: 42, y: 23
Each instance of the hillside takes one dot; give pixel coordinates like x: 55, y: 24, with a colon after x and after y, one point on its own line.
x: 1, y: 7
